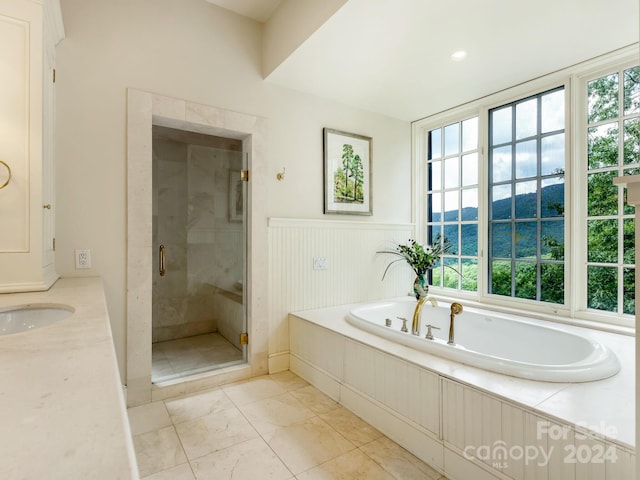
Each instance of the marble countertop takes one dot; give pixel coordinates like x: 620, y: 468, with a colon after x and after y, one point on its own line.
x: 604, y: 407
x: 62, y: 409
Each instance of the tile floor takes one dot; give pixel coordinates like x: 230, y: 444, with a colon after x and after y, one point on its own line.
x: 191, y: 355
x: 270, y: 427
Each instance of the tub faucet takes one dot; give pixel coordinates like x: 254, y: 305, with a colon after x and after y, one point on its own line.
x: 456, y: 308
x: 415, y: 324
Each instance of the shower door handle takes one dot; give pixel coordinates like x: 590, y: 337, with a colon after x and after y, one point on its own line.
x: 161, y: 266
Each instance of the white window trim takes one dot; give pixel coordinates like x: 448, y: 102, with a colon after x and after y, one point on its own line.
x: 574, y: 80
x: 580, y: 147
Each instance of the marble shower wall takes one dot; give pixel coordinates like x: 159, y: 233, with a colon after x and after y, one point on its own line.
x: 203, y: 243
x: 214, y: 234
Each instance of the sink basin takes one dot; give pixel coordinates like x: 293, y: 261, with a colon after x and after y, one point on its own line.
x: 29, y: 317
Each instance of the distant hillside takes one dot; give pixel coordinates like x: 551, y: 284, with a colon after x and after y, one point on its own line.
x: 552, y: 198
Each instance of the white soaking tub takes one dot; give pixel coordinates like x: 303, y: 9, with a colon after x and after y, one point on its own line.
x: 502, y: 343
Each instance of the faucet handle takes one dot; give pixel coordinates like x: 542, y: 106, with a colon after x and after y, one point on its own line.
x: 404, y: 324
x: 456, y: 308
x: 429, y: 335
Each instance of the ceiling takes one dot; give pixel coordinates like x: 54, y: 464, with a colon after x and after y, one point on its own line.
x: 259, y: 10
x: 393, y: 56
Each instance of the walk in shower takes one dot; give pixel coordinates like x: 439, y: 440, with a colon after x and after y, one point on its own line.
x: 198, y: 307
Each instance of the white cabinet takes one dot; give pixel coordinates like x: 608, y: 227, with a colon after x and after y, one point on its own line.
x: 29, y: 31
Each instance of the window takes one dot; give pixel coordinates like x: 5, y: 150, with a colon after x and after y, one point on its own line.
x: 613, y: 109
x: 529, y: 203
x: 452, y: 196
x: 526, y: 198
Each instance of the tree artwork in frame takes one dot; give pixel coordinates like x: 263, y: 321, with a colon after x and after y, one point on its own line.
x: 347, y: 173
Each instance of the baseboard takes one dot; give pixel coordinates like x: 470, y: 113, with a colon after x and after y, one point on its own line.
x: 323, y: 381
x: 278, y: 362
x: 423, y: 445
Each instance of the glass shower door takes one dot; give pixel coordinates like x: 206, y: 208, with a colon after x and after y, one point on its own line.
x: 199, y: 239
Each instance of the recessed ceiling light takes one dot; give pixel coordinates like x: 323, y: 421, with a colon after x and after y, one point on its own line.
x: 458, y: 55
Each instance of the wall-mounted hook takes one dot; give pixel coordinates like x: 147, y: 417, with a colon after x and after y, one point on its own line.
x: 9, y: 174
x: 280, y: 175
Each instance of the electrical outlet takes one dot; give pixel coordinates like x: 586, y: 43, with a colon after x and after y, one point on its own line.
x: 83, y: 258
x: 320, y: 263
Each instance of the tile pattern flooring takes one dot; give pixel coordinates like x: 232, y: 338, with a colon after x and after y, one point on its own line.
x: 269, y: 427
x: 191, y: 355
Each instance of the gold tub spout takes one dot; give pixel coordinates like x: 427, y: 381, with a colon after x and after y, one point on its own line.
x: 415, y: 324
x: 456, y: 308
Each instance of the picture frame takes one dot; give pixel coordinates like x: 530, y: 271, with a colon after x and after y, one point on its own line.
x: 236, y: 199
x: 347, y: 173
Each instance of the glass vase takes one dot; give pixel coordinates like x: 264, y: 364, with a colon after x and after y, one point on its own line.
x: 420, y: 286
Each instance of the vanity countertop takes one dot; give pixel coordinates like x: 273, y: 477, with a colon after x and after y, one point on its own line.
x: 62, y: 409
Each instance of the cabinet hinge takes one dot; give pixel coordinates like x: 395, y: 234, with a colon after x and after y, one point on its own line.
x: 54, y: 75
x: 54, y: 244
x: 244, y: 339
x: 244, y: 175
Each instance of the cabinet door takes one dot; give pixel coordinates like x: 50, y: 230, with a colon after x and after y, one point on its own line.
x: 26, y: 143
x: 48, y: 149
x: 17, y: 65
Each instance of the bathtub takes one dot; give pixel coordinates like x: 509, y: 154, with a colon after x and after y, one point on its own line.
x: 501, y: 343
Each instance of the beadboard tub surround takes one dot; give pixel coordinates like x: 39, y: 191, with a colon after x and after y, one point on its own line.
x: 460, y: 419
x: 63, y: 409
x: 353, y: 270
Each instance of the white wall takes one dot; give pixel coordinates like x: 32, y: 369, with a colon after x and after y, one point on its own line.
x: 193, y: 50
x: 293, y: 22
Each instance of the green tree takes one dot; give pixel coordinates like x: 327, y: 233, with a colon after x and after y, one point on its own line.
x: 339, y: 179
x: 605, y: 162
x: 357, y: 172
x: 349, y: 177
x: 347, y: 164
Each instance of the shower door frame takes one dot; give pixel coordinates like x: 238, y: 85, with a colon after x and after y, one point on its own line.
x: 145, y: 109
x: 196, y: 273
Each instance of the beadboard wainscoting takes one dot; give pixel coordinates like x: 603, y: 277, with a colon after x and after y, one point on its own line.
x: 460, y: 430
x: 353, y: 270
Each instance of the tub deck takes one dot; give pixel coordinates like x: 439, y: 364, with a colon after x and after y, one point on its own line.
x: 604, y: 407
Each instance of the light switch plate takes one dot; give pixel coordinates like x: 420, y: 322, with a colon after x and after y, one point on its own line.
x: 320, y: 263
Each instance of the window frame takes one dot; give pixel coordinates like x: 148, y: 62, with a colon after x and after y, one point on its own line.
x: 574, y: 80
x: 538, y: 261
x: 581, y: 193
x: 459, y: 189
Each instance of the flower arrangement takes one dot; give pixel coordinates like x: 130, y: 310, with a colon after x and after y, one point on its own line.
x: 420, y: 258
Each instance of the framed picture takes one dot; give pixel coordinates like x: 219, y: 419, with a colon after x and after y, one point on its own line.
x: 347, y: 173
x: 236, y: 200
